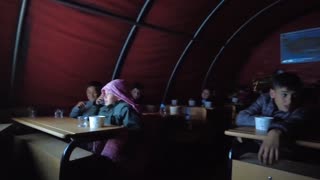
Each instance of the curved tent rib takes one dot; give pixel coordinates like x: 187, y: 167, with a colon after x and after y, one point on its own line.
x: 103, y: 12
x: 21, y: 18
x: 127, y: 44
x: 232, y: 36
x: 189, y: 45
x: 160, y: 44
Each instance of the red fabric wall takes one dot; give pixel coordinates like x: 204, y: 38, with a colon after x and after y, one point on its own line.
x: 154, y: 54
x: 124, y: 8
x: 8, y: 22
x: 265, y: 57
x: 221, y: 26
x: 67, y: 49
x: 152, y: 66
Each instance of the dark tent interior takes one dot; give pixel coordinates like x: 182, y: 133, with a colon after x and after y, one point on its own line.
x: 51, y: 49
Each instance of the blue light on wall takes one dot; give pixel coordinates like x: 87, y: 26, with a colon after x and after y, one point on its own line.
x: 300, y: 46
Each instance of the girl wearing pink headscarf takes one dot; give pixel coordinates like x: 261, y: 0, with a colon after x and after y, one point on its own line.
x: 119, y: 109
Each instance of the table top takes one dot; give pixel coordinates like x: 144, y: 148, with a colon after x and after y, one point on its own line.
x: 64, y: 127
x: 251, y: 133
x: 4, y: 126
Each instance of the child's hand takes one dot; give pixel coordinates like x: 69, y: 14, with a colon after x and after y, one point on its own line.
x: 269, y: 150
x: 100, y: 101
x: 81, y: 105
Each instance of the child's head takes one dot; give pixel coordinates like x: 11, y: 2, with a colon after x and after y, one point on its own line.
x: 93, y: 90
x: 137, y: 91
x: 115, y: 91
x: 110, y: 98
x: 205, y: 94
x: 285, y: 89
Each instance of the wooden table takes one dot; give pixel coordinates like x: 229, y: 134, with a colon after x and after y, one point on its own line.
x: 64, y: 127
x: 251, y: 133
x: 249, y: 168
x: 4, y: 126
x: 67, y: 129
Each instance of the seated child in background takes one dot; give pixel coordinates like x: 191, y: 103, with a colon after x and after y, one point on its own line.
x: 137, y: 92
x: 281, y: 103
x: 89, y: 107
x: 119, y: 109
x: 206, y: 95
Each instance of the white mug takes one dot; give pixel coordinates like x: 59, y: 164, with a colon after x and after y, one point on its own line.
x: 96, y: 121
x: 262, y: 123
x: 207, y: 104
x: 234, y: 100
x: 174, y: 110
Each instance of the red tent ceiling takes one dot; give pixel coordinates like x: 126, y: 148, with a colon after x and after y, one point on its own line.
x: 65, y: 44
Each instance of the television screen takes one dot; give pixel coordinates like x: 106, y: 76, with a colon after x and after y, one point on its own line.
x: 300, y: 46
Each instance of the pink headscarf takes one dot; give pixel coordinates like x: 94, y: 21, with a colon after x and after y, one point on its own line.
x: 118, y: 88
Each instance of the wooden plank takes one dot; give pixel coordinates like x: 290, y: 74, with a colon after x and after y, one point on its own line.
x: 4, y: 126
x: 63, y: 127
x: 40, y: 127
x: 309, y: 144
x: 251, y: 133
x: 244, y: 135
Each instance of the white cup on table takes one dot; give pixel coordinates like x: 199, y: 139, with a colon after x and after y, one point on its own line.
x: 96, y: 121
x: 58, y: 113
x: 234, y: 100
x: 174, y: 110
x: 262, y: 123
x: 207, y: 104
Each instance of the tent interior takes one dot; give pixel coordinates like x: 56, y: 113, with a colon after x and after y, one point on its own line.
x: 51, y: 49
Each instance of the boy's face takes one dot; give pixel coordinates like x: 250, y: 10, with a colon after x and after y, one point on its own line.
x: 92, y: 94
x: 205, y: 94
x: 136, y: 93
x: 283, y: 98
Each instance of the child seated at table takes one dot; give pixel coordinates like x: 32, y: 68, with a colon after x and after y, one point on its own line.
x: 89, y: 107
x: 119, y: 109
x: 137, y: 92
x: 282, y: 103
x: 206, y: 95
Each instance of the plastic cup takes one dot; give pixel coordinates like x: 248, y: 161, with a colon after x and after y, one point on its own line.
x: 262, y: 123
x: 174, y: 110
x: 58, y: 113
x: 82, y: 121
x: 96, y: 121
x: 235, y: 100
x: 32, y: 112
x: 207, y: 104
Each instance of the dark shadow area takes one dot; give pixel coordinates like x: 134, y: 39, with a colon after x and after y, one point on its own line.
x: 160, y: 155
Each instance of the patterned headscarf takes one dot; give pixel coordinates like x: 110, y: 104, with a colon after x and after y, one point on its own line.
x: 118, y: 88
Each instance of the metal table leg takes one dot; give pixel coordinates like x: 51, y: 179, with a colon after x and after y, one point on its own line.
x: 65, y: 159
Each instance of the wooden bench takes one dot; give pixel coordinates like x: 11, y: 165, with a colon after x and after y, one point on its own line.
x: 45, y: 152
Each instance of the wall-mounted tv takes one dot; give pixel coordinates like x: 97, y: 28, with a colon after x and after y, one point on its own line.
x: 300, y: 46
